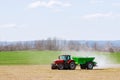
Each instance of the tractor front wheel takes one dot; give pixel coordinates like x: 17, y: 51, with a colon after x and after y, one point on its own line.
x: 60, y: 66
x: 53, y: 66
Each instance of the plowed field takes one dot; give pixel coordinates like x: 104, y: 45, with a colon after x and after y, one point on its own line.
x: 43, y: 72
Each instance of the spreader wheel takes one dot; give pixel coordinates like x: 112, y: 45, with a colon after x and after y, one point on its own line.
x: 90, y: 65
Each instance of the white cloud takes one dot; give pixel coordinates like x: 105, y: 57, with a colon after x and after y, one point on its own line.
x: 97, y: 15
x: 49, y: 4
x: 8, y: 25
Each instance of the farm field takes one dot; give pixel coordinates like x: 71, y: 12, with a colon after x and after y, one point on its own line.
x: 35, y: 65
x: 43, y: 72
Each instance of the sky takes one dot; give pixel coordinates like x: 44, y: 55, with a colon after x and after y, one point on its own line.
x: 23, y: 20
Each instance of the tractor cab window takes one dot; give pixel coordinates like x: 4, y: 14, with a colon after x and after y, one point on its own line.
x: 64, y: 57
x: 68, y: 58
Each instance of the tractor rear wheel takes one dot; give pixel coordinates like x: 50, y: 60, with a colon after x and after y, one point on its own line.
x: 60, y: 66
x: 90, y: 65
x: 72, y: 65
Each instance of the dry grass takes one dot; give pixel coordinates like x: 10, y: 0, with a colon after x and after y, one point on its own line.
x: 43, y: 72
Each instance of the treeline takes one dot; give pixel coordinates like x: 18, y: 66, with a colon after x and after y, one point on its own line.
x: 59, y: 45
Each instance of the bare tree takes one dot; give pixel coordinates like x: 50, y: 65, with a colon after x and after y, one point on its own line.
x: 109, y: 47
x: 95, y: 46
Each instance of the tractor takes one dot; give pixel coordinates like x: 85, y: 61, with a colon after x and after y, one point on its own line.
x: 66, y: 62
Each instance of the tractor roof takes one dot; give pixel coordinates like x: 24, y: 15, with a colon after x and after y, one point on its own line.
x: 65, y: 55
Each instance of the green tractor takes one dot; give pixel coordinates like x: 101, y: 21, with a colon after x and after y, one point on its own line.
x: 66, y: 62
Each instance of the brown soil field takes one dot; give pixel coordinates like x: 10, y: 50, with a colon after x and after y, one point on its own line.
x: 44, y: 72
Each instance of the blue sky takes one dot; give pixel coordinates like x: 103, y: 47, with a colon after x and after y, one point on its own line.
x: 22, y: 20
